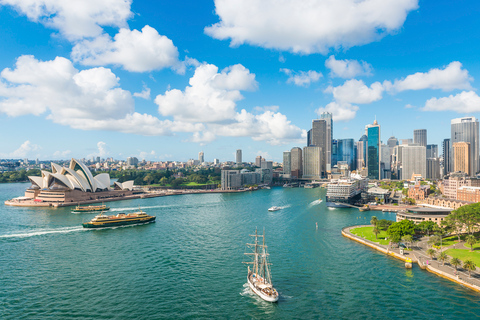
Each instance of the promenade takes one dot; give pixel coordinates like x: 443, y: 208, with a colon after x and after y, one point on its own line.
x: 419, y: 255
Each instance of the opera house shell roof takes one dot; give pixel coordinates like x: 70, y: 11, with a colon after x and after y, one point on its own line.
x: 76, y: 177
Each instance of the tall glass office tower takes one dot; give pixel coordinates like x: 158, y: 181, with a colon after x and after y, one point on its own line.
x: 373, y: 150
x: 466, y: 130
x: 346, y: 152
x: 327, y: 116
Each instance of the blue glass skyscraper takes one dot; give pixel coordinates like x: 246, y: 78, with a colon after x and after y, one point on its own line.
x: 373, y: 150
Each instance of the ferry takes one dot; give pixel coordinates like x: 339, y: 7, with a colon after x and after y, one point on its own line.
x: 121, y: 219
x: 90, y: 208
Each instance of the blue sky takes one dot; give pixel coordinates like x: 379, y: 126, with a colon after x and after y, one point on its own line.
x: 163, y: 80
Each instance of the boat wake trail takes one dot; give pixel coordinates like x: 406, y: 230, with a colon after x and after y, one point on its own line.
x: 314, y: 203
x: 285, y: 207
x: 42, y: 232
x: 246, y: 292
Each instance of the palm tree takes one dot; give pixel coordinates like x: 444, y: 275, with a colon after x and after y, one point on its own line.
x: 470, y: 266
x: 376, y: 230
x: 431, y: 252
x: 470, y: 240
x: 455, y: 262
x: 443, y: 257
x: 374, y: 220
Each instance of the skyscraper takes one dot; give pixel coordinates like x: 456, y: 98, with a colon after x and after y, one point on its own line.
x: 312, y: 162
x: 433, y: 168
x: 346, y: 152
x: 296, y: 163
x: 413, y: 160
x: 373, y: 150
x: 362, y: 152
x: 201, y: 157
x: 432, y: 151
x: 258, y: 161
x: 466, y: 130
x: 327, y: 116
x: 461, y: 162
x: 238, y: 158
x: 317, y: 137
x: 447, y: 157
x: 287, y: 162
x: 420, y: 137
x: 391, y: 143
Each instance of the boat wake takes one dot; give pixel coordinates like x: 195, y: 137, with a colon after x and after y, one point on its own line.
x: 41, y: 232
x: 315, y: 202
x: 247, y: 292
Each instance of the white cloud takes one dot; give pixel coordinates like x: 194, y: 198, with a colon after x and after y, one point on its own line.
x: 75, y: 19
x: 264, y: 154
x: 339, y: 111
x: 355, y: 91
x: 61, y: 154
x: 146, y: 155
x: 211, y: 96
x: 145, y: 94
x: 308, y: 26
x: 347, y: 68
x: 464, y: 102
x: 450, y: 78
x: 302, y: 78
x: 137, y: 51
x: 266, y: 108
x: 24, y: 151
x: 409, y: 106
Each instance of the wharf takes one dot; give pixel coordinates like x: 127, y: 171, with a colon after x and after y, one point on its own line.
x: 419, y: 256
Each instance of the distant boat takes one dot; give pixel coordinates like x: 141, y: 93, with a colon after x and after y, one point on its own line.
x: 274, y: 208
x: 121, y: 219
x: 90, y: 208
x: 259, y: 278
x: 287, y: 185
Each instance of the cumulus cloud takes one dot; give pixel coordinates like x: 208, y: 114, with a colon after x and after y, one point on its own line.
x: 75, y: 19
x: 355, y: 91
x: 24, y: 151
x: 133, y: 50
x: 450, y: 78
x: 339, y: 111
x: 211, y: 96
x: 146, y: 155
x: 302, y: 78
x: 309, y: 26
x: 464, y: 102
x: 347, y: 69
x: 145, y: 94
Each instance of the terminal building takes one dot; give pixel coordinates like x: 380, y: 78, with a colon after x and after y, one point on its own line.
x: 419, y: 214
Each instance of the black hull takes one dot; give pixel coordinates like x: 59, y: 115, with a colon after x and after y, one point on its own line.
x: 117, y: 223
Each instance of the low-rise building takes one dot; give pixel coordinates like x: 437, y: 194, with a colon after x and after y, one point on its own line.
x: 420, y: 214
x: 467, y: 193
x: 418, y: 192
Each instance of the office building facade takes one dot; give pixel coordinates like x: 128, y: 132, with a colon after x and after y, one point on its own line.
x: 413, y: 160
x: 287, y: 160
x: 313, y: 167
x: 466, y: 130
x: 420, y: 137
x: 373, y: 150
x: 238, y: 157
x: 461, y: 160
x: 296, y: 163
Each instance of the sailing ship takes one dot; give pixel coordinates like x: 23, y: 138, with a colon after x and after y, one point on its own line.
x: 259, y: 277
x: 79, y: 208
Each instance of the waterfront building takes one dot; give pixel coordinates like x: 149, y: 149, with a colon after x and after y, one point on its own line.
x: 231, y: 179
x: 313, y: 166
x: 345, y: 192
x: 296, y: 163
x: 461, y: 160
x: 327, y: 116
x: 266, y: 171
x: 238, y: 157
x: 201, y: 157
x: 467, y: 130
x: 373, y: 150
x: 447, y: 157
x: 287, y: 159
x: 420, y: 137
x: 346, y: 152
x: 413, y: 160
x: 433, y: 168
x: 420, y: 214
x: 432, y: 151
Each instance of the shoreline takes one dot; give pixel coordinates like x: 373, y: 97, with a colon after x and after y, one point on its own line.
x: 392, y: 252
x: 145, y: 195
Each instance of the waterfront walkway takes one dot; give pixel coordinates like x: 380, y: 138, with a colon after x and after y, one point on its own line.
x: 419, y: 256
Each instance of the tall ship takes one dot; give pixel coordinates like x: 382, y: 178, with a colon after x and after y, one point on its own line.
x: 343, y: 193
x: 79, y: 209
x: 121, y: 219
x: 259, y: 278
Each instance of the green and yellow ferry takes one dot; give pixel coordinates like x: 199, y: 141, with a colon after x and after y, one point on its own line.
x: 121, y: 219
x: 79, y: 209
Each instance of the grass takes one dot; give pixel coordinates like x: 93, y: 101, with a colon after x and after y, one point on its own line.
x: 367, y: 233
x: 464, y: 254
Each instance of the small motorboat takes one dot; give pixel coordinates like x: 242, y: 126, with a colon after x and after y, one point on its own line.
x: 274, y: 208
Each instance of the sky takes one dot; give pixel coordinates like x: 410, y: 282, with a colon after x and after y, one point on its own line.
x: 164, y: 80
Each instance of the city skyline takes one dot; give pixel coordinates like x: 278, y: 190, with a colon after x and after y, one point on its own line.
x: 165, y: 81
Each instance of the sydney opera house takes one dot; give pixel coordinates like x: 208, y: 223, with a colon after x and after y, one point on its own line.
x: 72, y: 185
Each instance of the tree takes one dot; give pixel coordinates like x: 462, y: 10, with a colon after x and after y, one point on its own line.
x: 443, y: 257
x: 425, y: 227
x: 471, y: 240
x: 376, y: 231
x: 374, y: 220
x: 470, y: 266
x: 407, y: 239
x: 433, y: 241
x: 383, y: 224
x: 453, y: 224
x: 432, y: 253
x: 469, y: 216
x: 455, y: 262
x: 402, y: 228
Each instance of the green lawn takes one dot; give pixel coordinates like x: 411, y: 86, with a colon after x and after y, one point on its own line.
x: 367, y: 233
x: 464, y: 254
x: 448, y: 241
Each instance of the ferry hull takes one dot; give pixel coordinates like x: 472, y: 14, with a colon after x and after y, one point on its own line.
x: 260, y: 293
x: 117, y: 223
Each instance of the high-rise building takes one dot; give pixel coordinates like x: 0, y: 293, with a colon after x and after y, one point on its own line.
x: 201, y: 157
x: 466, y: 130
x: 216, y: 161
x: 406, y: 141
x: 447, y: 157
x: 432, y: 151
x: 420, y: 137
x: 461, y: 162
x: 287, y: 160
x: 346, y: 152
x: 296, y: 163
x: 258, y: 161
x: 318, y: 137
x: 433, y: 168
x: 266, y: 171
x: 238, y: 158
x: 312, y: 162
x: 385, y: 161
x: 391, y: 143
x: 362, y: 152
x: 373, y: 150
x: 132, y: 161
x: 327, y: 116
x: 413, y: 160
x: 334, y: 153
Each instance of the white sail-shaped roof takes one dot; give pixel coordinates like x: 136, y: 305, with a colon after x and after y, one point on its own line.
x: 82, y: 169
x: 38, y: 181
x: 102, y: 181
x: 81, y: 181
x: 127, y: 185
x: 63, y: 179
x: 56, y: 168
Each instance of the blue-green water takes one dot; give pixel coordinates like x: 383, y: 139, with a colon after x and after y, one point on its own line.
x: 189, y: 263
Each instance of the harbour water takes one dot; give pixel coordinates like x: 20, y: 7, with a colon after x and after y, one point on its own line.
x: 189, y: 263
